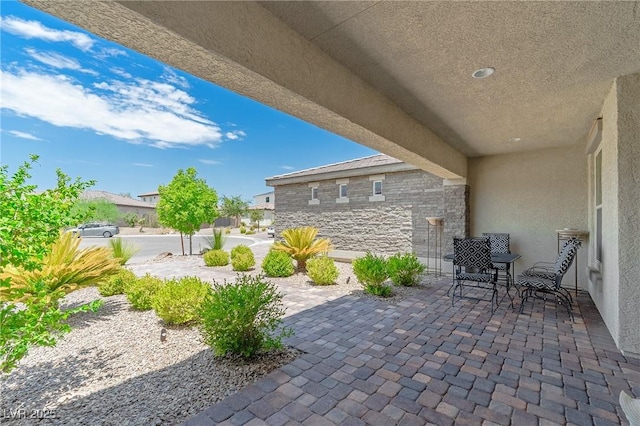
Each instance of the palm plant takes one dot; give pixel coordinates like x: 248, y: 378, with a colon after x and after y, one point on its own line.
x: 301, y: 244
x: 122, y: 251
x: 63, y: 270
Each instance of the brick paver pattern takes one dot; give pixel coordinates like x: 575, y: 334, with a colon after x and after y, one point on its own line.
x: 421, y: 362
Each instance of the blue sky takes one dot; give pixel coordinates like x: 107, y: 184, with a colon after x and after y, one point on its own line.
x: 100, y: 111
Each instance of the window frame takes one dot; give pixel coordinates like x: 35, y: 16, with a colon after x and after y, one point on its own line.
x: 346, y: 191
x: 314, y: 193
x: 373, y: 189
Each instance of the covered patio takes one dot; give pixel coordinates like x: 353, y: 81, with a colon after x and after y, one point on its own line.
x: 422, y: 361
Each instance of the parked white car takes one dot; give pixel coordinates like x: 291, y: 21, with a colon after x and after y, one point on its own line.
x: 271, y: 232
x: 95, y: 230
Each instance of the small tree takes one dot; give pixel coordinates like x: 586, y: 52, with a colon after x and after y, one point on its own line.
x: 131, y: 219
x: 186, y: 203
x: 29, y: 223
x: 301, y: 244
x: 256, y: 216
x: 234, y: 207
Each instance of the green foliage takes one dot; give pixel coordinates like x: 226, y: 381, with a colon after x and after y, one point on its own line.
x: 371, y: 271
x: 122, y: 251
x: 322, y: 270
x: 256, y: 216
x: 250, y: 232
x: 140, y: 292
x: 404, y: 269
x: 301, y: 244
x: 186, y: 203
x: 178, y: 301
x: 234, y: 207
x: 216, y: 258
x: 243, y: 230
x: 99, y: 210
x: 227, y: 231
x: 33, y: 324
x: 244, y: 317
x: 131, y: 219
x: 218, y: 239
x: 242, y: 258
x: 30, y: 220
x: 63, y: 270
x: 278, y: 264
x: 116, y: 284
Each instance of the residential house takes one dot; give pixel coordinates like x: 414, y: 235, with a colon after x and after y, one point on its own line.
x: 376, y: 203
x: 150, y: 197
x: 125, y: 205
x: 264, y: 202
x: 531, y: 108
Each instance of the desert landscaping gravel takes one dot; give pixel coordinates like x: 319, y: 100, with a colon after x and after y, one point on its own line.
x: 113, y: 369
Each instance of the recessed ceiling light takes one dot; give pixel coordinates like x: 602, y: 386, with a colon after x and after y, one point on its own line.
x: 514, y: 140
x: 483, y: 72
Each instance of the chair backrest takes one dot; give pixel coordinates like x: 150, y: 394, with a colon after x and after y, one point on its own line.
x: 565, y: 257
x: 499, y: 242
x: 472, y: 252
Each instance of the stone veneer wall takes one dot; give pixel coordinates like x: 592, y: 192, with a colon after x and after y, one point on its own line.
x: 456, y: 214
x: 396, y: 224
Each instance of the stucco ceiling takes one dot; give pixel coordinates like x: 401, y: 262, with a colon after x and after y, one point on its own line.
x: 554, y: 62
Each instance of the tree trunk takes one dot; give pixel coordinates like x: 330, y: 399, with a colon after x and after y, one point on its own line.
x: 302, y: 265
x: 182, y: 243
x: 190, y: 244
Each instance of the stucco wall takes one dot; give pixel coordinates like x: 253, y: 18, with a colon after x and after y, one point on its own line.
x: 628, y: 162
x: 604, y: 285
x: 530, y: 195
x: 395, y: 224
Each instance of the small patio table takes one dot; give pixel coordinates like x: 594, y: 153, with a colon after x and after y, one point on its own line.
x: 508, y: 258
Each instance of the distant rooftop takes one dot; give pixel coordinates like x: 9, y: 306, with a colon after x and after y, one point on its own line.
x: 149, y: 194
x: 116, y: 199
x: 262, y: 206
x: 358, y: 163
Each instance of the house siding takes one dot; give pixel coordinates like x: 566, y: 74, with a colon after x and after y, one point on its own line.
x: 396, y: 224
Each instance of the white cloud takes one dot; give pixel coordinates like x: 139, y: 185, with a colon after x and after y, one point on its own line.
x: 121, y: 72
x: 110, y: 52
x: 57, y: 60
x: 140, y: 111
x: 170, y: 76
x: 24, y: 135
x: 209, y: 162
x: 288, y: 167
x: 35, y: 29
x: 142, y: 165
x: 235, y: 135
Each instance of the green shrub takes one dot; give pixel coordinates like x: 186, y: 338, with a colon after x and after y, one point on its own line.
x: 250, y: 232
x: 178, y: 301
x: 278, y: 264
x: 218, y: 239
x: 243, y: 230
x: 322, y: 270
x: 244, y: 317
x: 404, y: 269
x: 141, y: 291
x: 216, y: 258
x: 122, y: 251
x: 117, y: 283
x: 371, y: 271
x: 242, y: 258
x: 227, y: 231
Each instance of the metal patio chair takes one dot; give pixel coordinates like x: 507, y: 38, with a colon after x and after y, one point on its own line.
x: 544, y: 278
x: 472, y: 263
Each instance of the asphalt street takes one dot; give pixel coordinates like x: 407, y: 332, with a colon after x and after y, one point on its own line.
x: 150, y: 246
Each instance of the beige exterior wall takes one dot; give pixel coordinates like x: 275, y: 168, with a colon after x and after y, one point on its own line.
x: 616, y: 289
x: 530, y: 195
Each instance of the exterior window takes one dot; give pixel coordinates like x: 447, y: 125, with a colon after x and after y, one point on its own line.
x: 343, y: 190
x: 314, y: 193
x: 266, y: 200
x: 377, y: 187
x: 598, y: 207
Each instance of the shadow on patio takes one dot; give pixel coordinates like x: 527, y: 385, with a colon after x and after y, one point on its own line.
x: 422, y: 361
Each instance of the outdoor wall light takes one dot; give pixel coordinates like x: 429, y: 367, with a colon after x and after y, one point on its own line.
x: 483, y: 72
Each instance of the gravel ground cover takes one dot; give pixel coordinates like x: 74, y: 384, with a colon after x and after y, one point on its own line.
x: 112, y: 369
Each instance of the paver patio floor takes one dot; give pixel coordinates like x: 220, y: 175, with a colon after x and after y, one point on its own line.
x: 421, y: 361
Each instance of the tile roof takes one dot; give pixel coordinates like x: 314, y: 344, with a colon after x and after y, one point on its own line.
x: 262, y: 206
x: 358, y: 163
x: 118, y: 200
